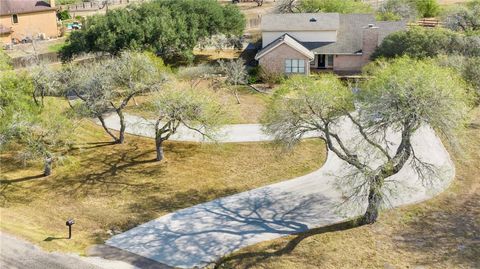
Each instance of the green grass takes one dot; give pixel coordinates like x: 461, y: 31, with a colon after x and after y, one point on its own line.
x: 440, y: 233
x: 107, y: 187
x: 55, y: 47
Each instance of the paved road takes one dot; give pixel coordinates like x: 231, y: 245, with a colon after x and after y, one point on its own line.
x: 201, y: 234
x: 18, y: 254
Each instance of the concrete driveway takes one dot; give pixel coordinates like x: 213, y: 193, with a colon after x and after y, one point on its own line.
x: 200, y: 235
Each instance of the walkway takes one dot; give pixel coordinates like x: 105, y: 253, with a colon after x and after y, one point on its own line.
x: 199, y: 235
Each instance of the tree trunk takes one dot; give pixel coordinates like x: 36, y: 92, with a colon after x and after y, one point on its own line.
x: 374, y: 201
x: 102, y: 121
x: 159, y: 148
x: 47, y: 166
x: 121, y: 138
x: 236, y: 95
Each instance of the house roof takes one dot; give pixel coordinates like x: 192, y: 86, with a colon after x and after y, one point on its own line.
x: 349, y: 35
x: 9, y: 7
x: 288, y: 40
x: 349, y: 29
x: 300, y: 22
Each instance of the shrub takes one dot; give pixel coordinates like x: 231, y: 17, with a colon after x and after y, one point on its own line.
x: 63, y: 15
x: 254, y: 74
x: 427, y: 8
x: 421, y: 42
x: 271, y: 78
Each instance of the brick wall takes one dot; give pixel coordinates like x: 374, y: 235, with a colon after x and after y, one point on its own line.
x: 274, y: 61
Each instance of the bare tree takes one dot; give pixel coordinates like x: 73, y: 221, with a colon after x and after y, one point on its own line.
x: 401, y: 97
x: 287, y: 6
x: 197, y: 111
x: 44, y: 82
x: 45, y: 136
x: 105, y: 86
x: 236, y: 74
x: 464, y: 18
x: 195, y: 74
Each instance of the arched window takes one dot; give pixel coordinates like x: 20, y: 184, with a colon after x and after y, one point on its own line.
x: 15, y: 18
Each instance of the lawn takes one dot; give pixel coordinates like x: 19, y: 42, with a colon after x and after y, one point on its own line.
x: 251, y: 107
x: 56, y: 47
x: 440, y: 233
x: 110, y: 188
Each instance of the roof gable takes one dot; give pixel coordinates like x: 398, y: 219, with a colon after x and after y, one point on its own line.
x: 8, y: 7
x: 287, y: 40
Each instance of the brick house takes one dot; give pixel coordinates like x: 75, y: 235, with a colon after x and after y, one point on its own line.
x: 301, y: 42
x: 21, y: 19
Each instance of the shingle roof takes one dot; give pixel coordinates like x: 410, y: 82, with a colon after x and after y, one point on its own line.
x: 8, y: 7
x: 288, y: 40
x: 349, y: 36
x: 300, y: 22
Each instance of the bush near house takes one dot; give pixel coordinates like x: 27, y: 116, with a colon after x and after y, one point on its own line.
x: 421, y: 42
x: 170, y: 28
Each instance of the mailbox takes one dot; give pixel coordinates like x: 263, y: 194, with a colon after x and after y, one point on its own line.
x: 69, y: 223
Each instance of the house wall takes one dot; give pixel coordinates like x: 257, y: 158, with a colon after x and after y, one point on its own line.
x: 274, y: 61
x: 30, y: 24
x: 305, y: 36
x: 348, y: 62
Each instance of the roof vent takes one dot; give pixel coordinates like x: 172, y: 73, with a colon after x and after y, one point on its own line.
x: 313, y: 20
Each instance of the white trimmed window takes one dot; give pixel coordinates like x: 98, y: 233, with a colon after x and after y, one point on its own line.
x: 294, y: 66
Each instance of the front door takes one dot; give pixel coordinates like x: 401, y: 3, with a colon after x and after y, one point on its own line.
x: 321, y: 61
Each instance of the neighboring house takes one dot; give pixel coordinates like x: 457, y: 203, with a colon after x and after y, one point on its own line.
x: 301, y: 42
x: 23, y: 19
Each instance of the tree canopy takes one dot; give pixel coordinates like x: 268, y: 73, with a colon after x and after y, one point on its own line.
x: 464, y: 17
x: 312, y: 6
x: 404, y: 95
x: 109, y: 85
x: 169, y: 28
x: 198, y: 111
x: 420, y: 42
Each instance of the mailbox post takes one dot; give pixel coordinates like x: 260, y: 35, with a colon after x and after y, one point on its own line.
x: 69, y: 223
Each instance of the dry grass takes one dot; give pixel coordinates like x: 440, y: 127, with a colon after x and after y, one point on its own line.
x: 440, y: 233
x: 116, y: 187
x: 251, y: 107
x: 452, y: 2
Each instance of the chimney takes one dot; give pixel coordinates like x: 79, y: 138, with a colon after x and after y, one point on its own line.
x: 369, y: 40
x: 52, y: 3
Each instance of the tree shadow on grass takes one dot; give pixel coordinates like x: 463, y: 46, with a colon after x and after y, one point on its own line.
x: 108, y: 174
x: 6, y: 184
x: 254, y: 257
x: 451, y: 235
x: 50, y: 238
x: 21, y: 179
x: 92, y: 145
